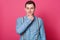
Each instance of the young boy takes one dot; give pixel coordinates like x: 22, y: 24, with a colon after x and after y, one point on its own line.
x: 30, y: 27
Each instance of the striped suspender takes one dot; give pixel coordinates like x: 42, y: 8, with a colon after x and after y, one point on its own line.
x: 38, y: 28
x: 23, y: 34
x: 38, y: 23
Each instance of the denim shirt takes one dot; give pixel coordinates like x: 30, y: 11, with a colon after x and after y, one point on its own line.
x: 30, y: 30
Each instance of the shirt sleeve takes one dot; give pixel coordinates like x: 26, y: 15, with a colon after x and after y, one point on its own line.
x: 21, y: 27
x: 42, y: 31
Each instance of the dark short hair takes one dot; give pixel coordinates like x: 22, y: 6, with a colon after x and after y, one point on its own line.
x: 30, y: 2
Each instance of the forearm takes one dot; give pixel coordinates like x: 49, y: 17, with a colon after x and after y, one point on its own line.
x: 21, y: 28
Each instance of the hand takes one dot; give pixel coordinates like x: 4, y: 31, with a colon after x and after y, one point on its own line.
x: 31, y: 17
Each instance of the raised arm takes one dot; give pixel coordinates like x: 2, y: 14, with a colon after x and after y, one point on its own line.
x: 21, y: 27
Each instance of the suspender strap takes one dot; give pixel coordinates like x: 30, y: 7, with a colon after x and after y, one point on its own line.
x: 24, y: 33
x: 38, y: 28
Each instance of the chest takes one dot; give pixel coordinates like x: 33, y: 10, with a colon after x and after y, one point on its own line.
x: 34, y: 27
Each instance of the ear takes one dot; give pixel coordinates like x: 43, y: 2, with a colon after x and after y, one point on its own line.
x: 34, y: 9
x: 25, y: 9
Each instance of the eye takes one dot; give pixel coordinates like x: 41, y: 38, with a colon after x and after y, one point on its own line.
x: 27, y: 8
x: 32, y: 7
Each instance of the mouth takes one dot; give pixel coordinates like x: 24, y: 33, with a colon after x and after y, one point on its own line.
x: 29, y: 12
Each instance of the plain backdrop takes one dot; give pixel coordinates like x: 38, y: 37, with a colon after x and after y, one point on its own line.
x: 48, y: 10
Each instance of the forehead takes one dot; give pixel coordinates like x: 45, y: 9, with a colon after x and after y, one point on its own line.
x: 29, y: 5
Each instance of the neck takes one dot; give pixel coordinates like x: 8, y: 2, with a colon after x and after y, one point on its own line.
x: 32, y: 15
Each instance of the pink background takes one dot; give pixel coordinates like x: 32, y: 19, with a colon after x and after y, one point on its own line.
x: 10, y: 10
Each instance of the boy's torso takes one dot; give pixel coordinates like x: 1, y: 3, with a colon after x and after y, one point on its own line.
x: 32, y: 32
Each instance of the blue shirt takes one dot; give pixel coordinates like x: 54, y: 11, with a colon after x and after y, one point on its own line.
x: 30, y: 30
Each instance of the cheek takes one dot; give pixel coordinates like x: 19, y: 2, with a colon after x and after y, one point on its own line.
x: 27, y: 10
x: 32, y: 10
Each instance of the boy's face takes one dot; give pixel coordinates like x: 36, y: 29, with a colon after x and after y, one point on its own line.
x: 29, y: 9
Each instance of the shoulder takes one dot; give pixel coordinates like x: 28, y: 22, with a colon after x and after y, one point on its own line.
x: 40, y: 20
x: 19, y: 19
